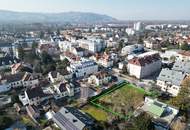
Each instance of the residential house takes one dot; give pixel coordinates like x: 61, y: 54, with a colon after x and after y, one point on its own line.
x: 100, y: 78
x: 111, y: 43
x: 26, y: 49
x: 82, y: 68
x: 19, y: 67
x: 144, y: 65
x: 15, y: 68
x: 64, y: 89
x: 30, y: 79
x: 153, y: 43
x: 123, y: 64
x: 65, y: 46
x: 49, y: 48
x: 79, y: 51
x: 6, y: 48
x: 70, y: 56
x: 20, y: 80
x: 35, y: 95
x: 130, y: 49
x: 56, y: 39
x: 56, y: 76
x: 68, y: 118
x: 7, y: 61
x: 105, y: 59
x: 28, y: 41
x: 72, y: 38
x: 170, y: 81
x: 92, y: 44
x: 182, y: 66
x: 184, y: 55
x: 163, y: 114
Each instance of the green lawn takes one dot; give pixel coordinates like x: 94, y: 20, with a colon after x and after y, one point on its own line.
x: 122, y: 101
x: 96, y: 113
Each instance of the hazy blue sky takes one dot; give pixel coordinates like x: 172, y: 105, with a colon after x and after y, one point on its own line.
x: 120, y: 9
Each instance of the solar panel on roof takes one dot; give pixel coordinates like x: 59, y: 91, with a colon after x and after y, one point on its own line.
x: 65, y: 122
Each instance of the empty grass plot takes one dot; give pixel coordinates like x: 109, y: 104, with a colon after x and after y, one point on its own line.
x: 121, y: 100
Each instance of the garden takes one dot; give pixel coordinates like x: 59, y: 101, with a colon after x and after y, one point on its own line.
x: 119, y: 101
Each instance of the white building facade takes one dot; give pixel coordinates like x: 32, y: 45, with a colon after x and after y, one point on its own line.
x: 93, y: 45
x: 170, y: 81
x: 83, y: 68
x: 142, y: 67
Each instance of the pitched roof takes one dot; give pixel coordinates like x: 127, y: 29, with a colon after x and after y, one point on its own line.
x: 102, y: 74
x: 183, y: 66
x: 79, y: 49
x: 72, y: 56
x: 62, y: 87
x: 62, y: 72
x: 185, y: 53
x: 5, y: 45
x: 171, y: 76
x: 14, y: 77
x: 35, y: 92
x: 8, y: 60
x: 53, y: 74
x: 142, y: 61
x: 16, y: 66
x: 27, y: 76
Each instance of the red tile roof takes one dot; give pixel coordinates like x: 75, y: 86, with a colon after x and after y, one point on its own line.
x: 72, y: 56
x: 142, y: 61
x: 185, y: 53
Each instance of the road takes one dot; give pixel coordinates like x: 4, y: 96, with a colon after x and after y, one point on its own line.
x: 141, y: 83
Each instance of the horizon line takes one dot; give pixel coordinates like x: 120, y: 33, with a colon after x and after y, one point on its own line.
x: 118, y: 19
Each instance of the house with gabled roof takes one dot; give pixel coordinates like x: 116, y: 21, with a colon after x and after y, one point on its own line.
x: 36, y: 95
x: 100, y: 78
x: 56, y: 76
x: 63, y: 89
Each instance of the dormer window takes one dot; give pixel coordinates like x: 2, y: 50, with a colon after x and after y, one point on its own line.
x: 74, y: 120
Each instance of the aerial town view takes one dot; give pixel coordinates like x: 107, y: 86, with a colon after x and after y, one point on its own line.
x: 94, y: 65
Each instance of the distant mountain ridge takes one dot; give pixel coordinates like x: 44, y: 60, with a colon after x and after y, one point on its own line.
x: 65, y: 17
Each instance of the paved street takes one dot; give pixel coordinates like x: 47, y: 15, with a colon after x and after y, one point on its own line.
x: 143, y: 84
